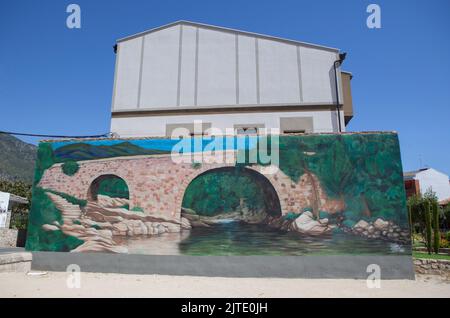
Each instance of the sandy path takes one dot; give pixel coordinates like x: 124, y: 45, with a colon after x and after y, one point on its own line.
x: 117, y: 285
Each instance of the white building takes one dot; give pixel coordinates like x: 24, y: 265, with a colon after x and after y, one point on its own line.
x: 172, y: 75
x: 428, y: 178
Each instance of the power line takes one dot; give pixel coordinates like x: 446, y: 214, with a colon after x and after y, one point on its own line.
x: 51, y: 136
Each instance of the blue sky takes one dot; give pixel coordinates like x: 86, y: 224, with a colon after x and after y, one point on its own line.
x: 55, y: 80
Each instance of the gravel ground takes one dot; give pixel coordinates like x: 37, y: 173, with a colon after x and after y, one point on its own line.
x: 54, y: 284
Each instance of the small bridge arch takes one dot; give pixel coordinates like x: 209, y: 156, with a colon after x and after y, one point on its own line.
x: 96, y: 185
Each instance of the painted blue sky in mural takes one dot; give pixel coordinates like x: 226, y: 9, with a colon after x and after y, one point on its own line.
x: 194, y: 144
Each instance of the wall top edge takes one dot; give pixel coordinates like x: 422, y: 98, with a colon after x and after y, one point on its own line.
x: 228, y: 30
x: 165, y: 137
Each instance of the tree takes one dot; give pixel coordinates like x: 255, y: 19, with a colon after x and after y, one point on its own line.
x: 428, y: 229
x: 70, y: 167
x: 336, y: 170
x: 18, y: 188
x: 425, y: 217
x: 45, y: 159
x: 437, y: 233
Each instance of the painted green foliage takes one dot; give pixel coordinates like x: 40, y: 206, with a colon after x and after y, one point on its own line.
x: 43, y: 211
x: 113, y: 187
x: 70, y: 167
x: 221, y: 192
x: 45, y: 159
x: 363, y: 169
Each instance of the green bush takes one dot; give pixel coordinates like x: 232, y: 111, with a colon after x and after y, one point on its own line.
x: 19, y: 216
x: 113, y: 187
x: 19, y: 220
x: 428, y: 225
x: 291, y: 216
x: 70, y: 167
x: 436, y: 234
x: 424, y: 215
x: 324, y: 215
x: 445, y: 243
x: 349, y: 223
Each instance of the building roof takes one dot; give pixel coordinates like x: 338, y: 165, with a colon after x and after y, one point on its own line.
x: 223, y: 29
x: 17, y: 199
x: 408, y: 175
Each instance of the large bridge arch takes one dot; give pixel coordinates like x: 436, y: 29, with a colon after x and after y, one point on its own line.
x: 271, y: 190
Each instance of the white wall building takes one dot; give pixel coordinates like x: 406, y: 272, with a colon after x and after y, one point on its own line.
x: 430, y: 178
x: 172, y: 75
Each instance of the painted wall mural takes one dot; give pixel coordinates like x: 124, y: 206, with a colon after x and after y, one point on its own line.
x: 332, y: 194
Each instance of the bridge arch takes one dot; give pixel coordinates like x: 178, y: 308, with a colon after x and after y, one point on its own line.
x: 272, y: 196
x: 110, y: 183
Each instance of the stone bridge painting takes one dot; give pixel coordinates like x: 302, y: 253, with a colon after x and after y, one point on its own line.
x: 328, y: 194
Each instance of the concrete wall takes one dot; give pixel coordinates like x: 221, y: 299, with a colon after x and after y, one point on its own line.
x: 308, y: 266
x: 8, y: 237
x: 186, y: 65
x: 139, y: 126
x: 305, y: 196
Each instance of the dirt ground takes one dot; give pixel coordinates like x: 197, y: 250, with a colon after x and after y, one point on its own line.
x: 54, y: 284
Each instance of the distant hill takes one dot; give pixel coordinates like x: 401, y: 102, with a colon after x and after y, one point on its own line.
x: 85, y: 151
x: 16, y: 159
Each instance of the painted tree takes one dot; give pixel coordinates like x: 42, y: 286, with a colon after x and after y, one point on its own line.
x: 45, y: 159
x: 336, y: 169
x: 333, y: 168
x: 292, y: 156
x: 378, y: 185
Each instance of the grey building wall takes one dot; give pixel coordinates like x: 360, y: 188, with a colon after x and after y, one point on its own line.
x: 189, y: 65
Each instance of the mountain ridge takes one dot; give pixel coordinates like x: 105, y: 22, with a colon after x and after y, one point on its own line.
x: 17, y: 159
x: 86, y: 151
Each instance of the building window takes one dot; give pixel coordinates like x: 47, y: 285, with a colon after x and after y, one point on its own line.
x: 248, y: 129
x: 186, y: 129
x: 296, y: 125
x: 302, y: 131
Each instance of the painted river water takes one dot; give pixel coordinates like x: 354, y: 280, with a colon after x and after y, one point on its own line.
x: 237, y: 238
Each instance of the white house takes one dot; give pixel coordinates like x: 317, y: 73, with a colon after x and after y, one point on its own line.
x: 429, y: 178
x: 175, y: 74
